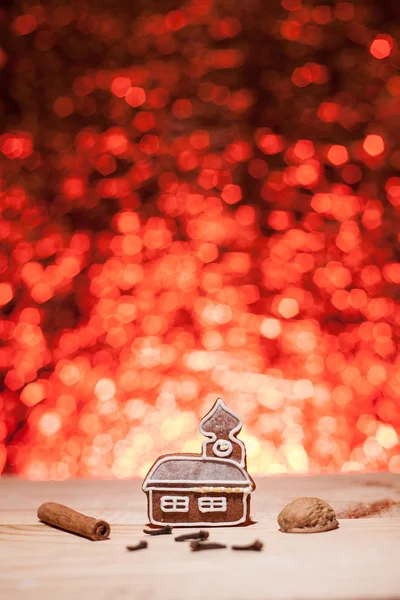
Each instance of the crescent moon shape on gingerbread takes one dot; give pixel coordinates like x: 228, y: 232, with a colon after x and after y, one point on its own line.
x: 209, y: 489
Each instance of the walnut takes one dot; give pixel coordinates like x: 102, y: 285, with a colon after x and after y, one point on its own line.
x: 307, y: 515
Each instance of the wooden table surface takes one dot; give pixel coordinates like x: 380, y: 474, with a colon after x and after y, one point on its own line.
x: 360, y: 560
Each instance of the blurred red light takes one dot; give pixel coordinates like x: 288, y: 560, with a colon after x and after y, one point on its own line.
x: 182, y: 109
x: 374, y: 145
x: 135, y: 96
x: 6, y: 293
x: 196, y: 202
x: 337, y: 155
x: 24, y: 24
x: 231, y: 194
x: 74, y: 188
x: 381, y: 47
x: 120, y: 86
x: 270, y: 144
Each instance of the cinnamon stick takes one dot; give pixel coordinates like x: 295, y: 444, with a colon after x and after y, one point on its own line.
x: 72, y: 521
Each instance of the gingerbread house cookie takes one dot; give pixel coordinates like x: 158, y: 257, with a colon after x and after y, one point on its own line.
x: 212, y: 488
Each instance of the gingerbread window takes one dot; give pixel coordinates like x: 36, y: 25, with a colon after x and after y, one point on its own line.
x: 175, y: 504
x: 212, y: 504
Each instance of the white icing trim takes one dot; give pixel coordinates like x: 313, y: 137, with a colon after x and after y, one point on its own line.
x: 222, y: 453
x: 214, y: 482
x: 212, y: 504
x: 203, y: 489
x: 180, y: 457
x: 153, y: 521
x: 172, y: 504
x: 212, y: 437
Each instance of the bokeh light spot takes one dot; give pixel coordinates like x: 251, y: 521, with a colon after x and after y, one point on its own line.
x: 270, y: 328
x: 288, y: 308
x: 6, y: 293
x: 135, y: 96
x: 105, y: 389
x: 381, y: 47
x: 337, y: 155
x: 231, y: 194
x: 50, y: 423
x: 374, y: 145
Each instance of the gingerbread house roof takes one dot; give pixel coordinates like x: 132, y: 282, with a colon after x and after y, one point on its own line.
x: 196, y: 471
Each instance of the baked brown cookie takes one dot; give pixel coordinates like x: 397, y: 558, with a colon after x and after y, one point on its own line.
x: 209, y: 489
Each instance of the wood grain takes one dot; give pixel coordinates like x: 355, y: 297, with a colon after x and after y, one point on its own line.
x: 360, y: 560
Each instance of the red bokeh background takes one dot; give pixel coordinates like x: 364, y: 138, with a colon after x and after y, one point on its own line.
x: 198, y: 199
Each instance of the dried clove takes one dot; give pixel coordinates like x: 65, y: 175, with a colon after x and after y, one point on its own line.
x: 257, y: 546
x: 197, y: 546
x: 161, y: 531
x: 200, y: 535
x: 138, y: 546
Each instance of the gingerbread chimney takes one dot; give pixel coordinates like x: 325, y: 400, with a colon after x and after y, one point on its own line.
x: 220, y: 426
